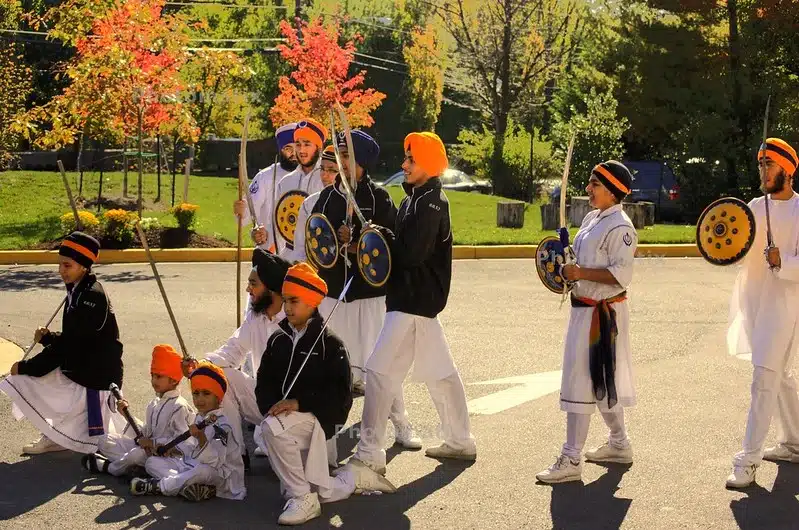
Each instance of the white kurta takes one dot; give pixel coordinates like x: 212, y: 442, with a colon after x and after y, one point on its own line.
x: 765, y: 304
x: 218, y: 462
x: 263, y: 190
x: 298, y: 254
x: 308, y: 183
x: 56, y: 406
x: 606, y: 240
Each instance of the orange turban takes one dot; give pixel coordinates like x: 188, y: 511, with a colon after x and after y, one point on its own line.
x: 428, y: 152
x: 303, y: 282
x: 209, y: 376
x: 311, y: 130
x: 166, y: 361
x: 780, y: 152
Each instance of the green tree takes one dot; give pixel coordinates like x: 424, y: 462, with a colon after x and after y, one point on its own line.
x: 425, y: 57
x: 15, y: 86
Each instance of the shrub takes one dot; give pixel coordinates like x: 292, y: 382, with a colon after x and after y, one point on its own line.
x: 119, y: 226
x: 88, y: 221
x: 184, y: 214
x: 150, y: 223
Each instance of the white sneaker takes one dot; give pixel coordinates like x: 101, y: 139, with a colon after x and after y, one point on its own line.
x: 42, y: 445
x: 366, y: 478
x: 447, y: 451
x: 741, y: 476
x: 300, y: 510
x: 608, y: 453
x: 780, y: 453
x: 259, y: 452
x: 405, y: 436
x: 563, y: 470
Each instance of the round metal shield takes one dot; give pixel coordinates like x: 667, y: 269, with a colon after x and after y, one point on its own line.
x: 725, y: 231
x: 321, y: 243
x: 549, y: 256
x: 374, y: 257
x: 286, y: 213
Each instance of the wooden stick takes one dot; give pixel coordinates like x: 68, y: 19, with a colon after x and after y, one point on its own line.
x: 78, y: 225
x: 242, y: 184
x: 146, y: 247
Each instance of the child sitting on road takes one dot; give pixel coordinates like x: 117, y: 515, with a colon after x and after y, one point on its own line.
x: 168, y: 416
x: 209, y: 462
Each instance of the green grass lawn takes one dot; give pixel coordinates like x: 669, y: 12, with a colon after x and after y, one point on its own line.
x: 32, y: 202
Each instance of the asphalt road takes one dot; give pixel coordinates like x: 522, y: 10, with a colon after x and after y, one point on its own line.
x: 501, y: 323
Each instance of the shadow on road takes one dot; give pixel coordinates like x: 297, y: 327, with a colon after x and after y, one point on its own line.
x: 27, y: 280
x: 30, y: 483
x: 592, y: 506
x: 778, y: 508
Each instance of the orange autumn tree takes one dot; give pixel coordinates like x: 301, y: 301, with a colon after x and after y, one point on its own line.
x: 320, y: 78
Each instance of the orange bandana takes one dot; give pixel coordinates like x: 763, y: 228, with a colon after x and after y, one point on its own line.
x: 166, y: 361
x: 303, y: 282
x: 210, y: 377
x: 428, y: 152
x: 311, y: 130
x: 780, y: 152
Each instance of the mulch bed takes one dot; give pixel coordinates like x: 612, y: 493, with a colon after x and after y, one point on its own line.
x: 156, y: 238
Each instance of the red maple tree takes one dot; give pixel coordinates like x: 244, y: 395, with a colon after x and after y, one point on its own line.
x: 319, y: 79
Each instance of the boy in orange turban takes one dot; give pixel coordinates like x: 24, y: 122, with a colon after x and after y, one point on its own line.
x: 418, y: 288
x: 297, y: 423
x: 309, y: 137
x: 167, y: 416
x: 209, y: 462
x: 765, y: 316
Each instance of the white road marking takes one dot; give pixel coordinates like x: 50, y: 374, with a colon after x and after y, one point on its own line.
x: 526, y: 388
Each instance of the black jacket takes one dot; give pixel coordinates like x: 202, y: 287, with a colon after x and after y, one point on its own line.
x: 88, y: 349
x: 377, y: 207
x: 421, y: 252
x: 324, y: 388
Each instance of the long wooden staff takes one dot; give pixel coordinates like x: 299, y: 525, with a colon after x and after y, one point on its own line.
x: 144, y: 244
x: 242, y: 184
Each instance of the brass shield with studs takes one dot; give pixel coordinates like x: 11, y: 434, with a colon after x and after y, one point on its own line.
x: 287, y: 212
x: 725, y: 231
x: 321, y: 243
x: 374, y: 257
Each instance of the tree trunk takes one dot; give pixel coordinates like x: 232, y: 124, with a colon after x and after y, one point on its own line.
x: 158, y: 163
x: 100, y: 186
x: 174, y: 166
x: 80, y: 166
x: 510, y: 214
x: 125, y: 167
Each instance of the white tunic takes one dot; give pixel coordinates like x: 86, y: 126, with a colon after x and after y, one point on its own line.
x: 308, y: 183
x: 765, y: 304
x: 249, y: 340
x: 606, y: 240
x: 263, y: 190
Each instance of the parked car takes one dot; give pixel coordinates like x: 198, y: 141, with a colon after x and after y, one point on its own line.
x: 648, y: 178
x: 451, y: 179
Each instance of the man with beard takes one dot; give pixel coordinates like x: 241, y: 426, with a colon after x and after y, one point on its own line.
x: 359, y: 317
x: 264, y: 313
x: 309, y: 138
x: 263, y: 189
x: 764, y: 313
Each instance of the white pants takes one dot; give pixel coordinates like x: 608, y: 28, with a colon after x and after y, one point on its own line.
x: 770, y: 391
x: 239, y: 401
x: 577, y: 432
x: 298, y: 455
x: 358, y: 325
x: 403, y: 340
x: 174, y: 474
x: 122, y: 452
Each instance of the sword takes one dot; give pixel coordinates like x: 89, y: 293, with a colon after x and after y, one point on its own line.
x: 114, y: 389
x: 563, y: 231
x: 762, y: 171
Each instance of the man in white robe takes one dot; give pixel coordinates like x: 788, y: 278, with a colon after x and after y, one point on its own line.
x: 263, y: 190
x: 309, y: 138
x: 764, y: 313
x: 604, y: 248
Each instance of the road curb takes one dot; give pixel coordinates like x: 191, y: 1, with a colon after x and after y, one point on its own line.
x: 190, y: 255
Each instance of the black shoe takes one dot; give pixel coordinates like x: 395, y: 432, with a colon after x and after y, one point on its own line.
x: 145, y: 486
x: 96, y: 463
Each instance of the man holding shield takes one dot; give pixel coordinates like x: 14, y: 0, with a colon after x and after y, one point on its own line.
x: 597, y: 363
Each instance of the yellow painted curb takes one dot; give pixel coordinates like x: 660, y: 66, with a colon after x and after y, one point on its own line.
x: 193, y: 255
